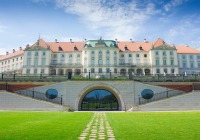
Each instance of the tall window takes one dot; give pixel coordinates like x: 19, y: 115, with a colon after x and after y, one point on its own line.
x: 28, y: 62
x: 191, y: 56
x: 42, y: 70
x: 115, y: 61
x: 43, y: 61
x: 100, y: 62
x: 62, y: 56
x: 92, y: 52
x: 55, y: 56
x: 36, y: 62
x: 183, y: 56
x: 35, y: 71
x: 157, y: 62
x: 115, y: 52
x: 107, y: 70
x: 100, y: 70
x: 107, y: 61
x: 130, y: 55
x: 107, y: 52
x: 171, y: 53
x: 36, y: 53
x: 191, y: 65
x: 100, y: 52
x: 122, y: 55
x: 157, y: 71
x: 92, y: 70
x: 145, y: 55
x: 28, y: 71
x: 165, y: 70
x: 172, y: 70
x: 29, y: 53
x: 164, y: 62
x: 92, y: 61
x: 137, y: 55
x: 172, y: 61
x: 78, y: 55
x: 43, y: 53
x: 184, y: 65
x: 70, y: 55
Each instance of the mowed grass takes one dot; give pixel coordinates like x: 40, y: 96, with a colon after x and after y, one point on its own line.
x: 42, y: 125
x: 155, y: 126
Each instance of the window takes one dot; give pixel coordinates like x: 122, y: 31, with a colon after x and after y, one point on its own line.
x: 165, y: 70
x: 29, y: 62
x: 172, y: 61
x: 42, y: 70
x: 157, y: 53
x: 157, y: 62
x: 198, y: 65
x: 191, y: 56
x: 100, y: 62
x: 35, y: 71
x: 107, y: 70
x: 115, y: 70
x: 158, y: 71
x: 16, y: 59
x: 85, y: 52
x: 43, y: 53
x: 100, y: 70
x: 184, y: 65
x: 92, y: 70
x: 107, y: 61
x: 164, y: 54
x: 85, y: 70
x: 137, y: 55
x: 92, y: 52
x: 55, y: 56
x: 171, y: 53
x: 115, y: 61
x: 172, y: 70
x: 122, y: 55
x: 36, y: 53
x: 191, y: 65
x: 183, y: 56
x: 21, y: 58
x: 130, y: 55
x: 145, y: 55
x: 29, y: 54
x: 164, y: 62
x: 62, y: 56
x: 27, y: 71
x: 13, y: 60
x: 70, y: 55
x: 107, y: 52
x: 115, y: 52
x: 43, y: 61
x: 198, y: 56
x: 36, y: 62
x: 78, y: 55
x: 92, y: 62
x: 100, y: 52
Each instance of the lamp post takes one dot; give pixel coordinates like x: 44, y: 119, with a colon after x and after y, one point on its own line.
x: 110, y: 75
x: 89, y: 74
x: 40, y: 75
x: 2, y: 76
x: 14, y: 75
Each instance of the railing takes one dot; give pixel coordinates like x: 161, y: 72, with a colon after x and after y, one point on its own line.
x: 64, y: 75
x: 30, y: 93
x: 165, y: 94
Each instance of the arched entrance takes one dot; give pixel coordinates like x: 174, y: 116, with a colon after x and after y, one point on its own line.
x: 99, y: 99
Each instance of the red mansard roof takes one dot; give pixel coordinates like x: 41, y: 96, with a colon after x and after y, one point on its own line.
x: 186, y: 50
x: 10, y: 55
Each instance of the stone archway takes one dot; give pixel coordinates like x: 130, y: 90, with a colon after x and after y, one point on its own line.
x: 77, y: 72
x: 60, y: 72
x: 113, y: 94
x: 147, y: 71
x: 52, y: 71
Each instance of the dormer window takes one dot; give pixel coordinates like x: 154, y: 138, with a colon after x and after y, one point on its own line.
x: 60, y: 49
x: 126, y: 48
x: 75, y: 48
x: 140, y: 48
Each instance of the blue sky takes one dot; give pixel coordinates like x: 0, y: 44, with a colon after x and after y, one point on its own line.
x: 21, y: 21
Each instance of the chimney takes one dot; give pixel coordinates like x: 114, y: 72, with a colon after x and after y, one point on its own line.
x: 116, y: 39
x: 20, y: 48
x: 131, y: 40
x: 186, y: 45
x: 56, y: 40
x: 13, y: 50
x: 7, y: 53
x: 85, y: 39
x: 145, y: 40
x: 27, y: 45
x: 140, y: 48
x: 71, y: 40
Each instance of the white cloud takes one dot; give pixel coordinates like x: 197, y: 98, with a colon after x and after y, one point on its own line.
x: 173, y: 3
x: 110, y: 19
x: 186, y: 30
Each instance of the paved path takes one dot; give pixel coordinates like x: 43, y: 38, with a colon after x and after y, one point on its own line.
x: 98, y: 129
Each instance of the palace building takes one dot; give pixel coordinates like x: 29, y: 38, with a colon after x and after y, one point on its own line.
x: 101, y: 57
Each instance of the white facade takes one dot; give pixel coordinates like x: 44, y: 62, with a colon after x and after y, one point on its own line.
x: 100, y: 57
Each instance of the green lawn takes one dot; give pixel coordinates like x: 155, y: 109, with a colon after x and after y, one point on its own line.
x: 126, y: 126
x: 42, y: 125
x: 155, y: 126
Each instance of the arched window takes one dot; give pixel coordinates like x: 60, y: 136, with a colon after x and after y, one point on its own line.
x: 100, y: 52
x: 107, y: 52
